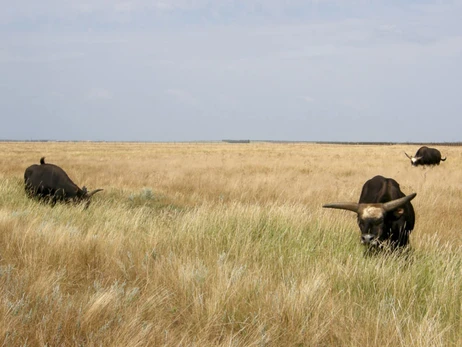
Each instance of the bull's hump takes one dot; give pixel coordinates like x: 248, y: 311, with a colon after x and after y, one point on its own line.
x: 58, y: 175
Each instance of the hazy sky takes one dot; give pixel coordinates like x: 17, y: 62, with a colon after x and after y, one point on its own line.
x: 185, y: 70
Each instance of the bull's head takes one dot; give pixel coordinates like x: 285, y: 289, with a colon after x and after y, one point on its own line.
x: 371, y: 217
x: 85, y: 196
x: 414, y: 160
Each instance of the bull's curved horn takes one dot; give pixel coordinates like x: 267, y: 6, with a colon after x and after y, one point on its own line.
x: 349, y: 206
x: 394, y: 204
x: 93, y: 192
x: 42, y: 161
x: 443, y: 159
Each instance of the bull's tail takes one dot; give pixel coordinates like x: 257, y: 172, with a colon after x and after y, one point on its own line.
x: 42, y: 161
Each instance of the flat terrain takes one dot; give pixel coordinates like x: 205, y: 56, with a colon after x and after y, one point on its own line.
x: 215, y: 244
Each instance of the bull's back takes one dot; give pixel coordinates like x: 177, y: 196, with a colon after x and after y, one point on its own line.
x: 430, y: 156
x: 422, y: 151
x: 380, y: 189
x: 46, y: 178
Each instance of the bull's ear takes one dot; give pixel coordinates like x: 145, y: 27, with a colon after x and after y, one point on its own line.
x: 398, y: 212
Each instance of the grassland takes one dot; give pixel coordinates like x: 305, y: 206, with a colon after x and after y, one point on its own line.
x: 225, y: 245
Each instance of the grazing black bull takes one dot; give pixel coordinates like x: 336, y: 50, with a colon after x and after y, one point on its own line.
x: 426, y: 156
x: 51, y: 183
x: 385, y: 214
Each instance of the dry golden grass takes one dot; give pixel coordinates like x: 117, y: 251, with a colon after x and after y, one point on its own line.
x: 225, y: 245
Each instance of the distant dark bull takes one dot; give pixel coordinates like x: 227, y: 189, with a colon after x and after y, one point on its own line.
x: 385, y: 214
x: 426, y: 156
x: 50, y: 183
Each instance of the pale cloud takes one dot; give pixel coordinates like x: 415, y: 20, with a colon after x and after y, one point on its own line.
x: 126, y: 6
x: 85, y: 7
x: 390, y: 28
x: 307, y: 99
x: 355, y: 104
x: 47, y: 57
x: 97, y: 94
x: 182, y: 96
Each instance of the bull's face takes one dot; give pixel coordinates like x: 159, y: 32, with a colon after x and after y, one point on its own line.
x: 371, y: 221
x: 371, y: 224
x: 85, y: 197
x: 414, y: 160
x: 372, y: 218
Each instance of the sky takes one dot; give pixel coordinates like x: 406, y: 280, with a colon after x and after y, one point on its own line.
x: 207, y: 70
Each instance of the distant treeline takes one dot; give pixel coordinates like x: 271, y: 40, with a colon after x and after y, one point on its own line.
x: 392, y: 143
x: 237, y: 141
x: 369, y: 143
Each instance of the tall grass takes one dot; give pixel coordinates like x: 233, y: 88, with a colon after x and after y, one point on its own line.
x: 225, y: 245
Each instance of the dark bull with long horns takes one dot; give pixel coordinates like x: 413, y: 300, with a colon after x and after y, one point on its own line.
x: 426, y: 156
x: 385, y: 214
x: 50, y: 183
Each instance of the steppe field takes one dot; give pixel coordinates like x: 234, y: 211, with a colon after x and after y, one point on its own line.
x: 217, y: 244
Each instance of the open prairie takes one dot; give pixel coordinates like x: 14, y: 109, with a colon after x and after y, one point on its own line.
x: 214, y: 244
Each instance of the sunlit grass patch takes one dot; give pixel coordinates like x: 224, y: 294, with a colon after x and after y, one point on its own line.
x: 216, y: 244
